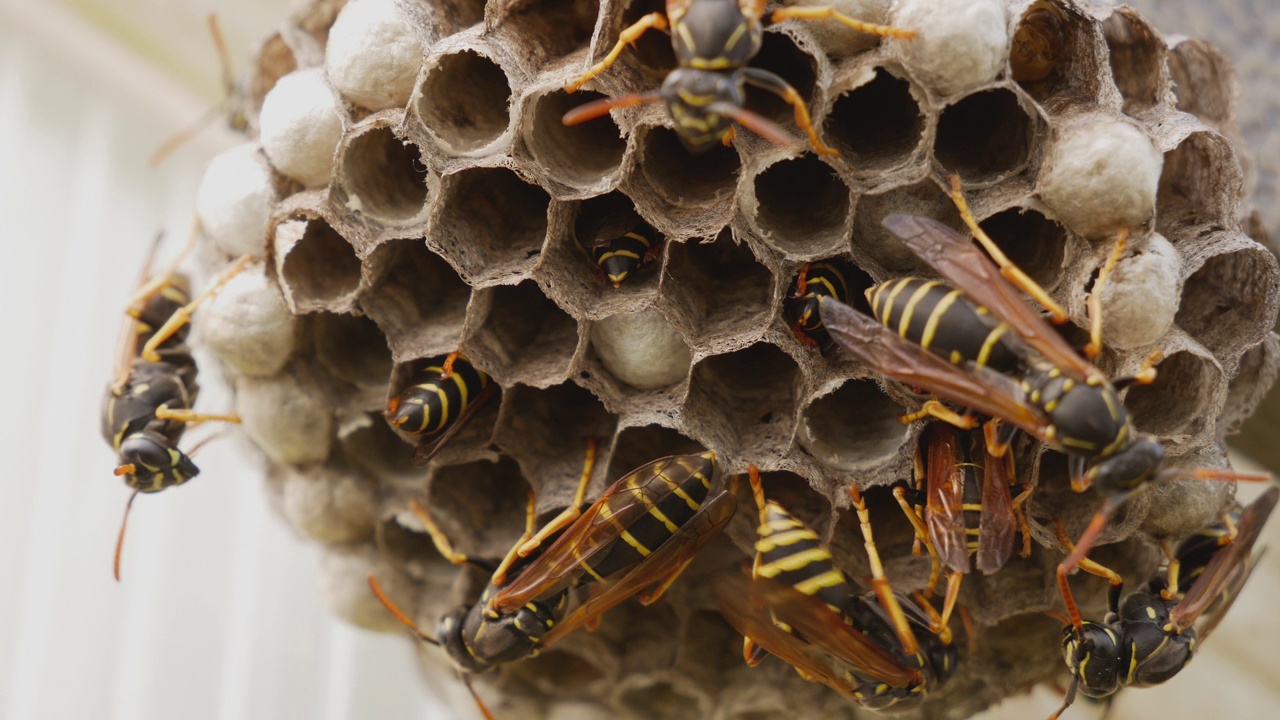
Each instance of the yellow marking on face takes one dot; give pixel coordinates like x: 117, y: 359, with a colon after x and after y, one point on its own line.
x: 931, y: 327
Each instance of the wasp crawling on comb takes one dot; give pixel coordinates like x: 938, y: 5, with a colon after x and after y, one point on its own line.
x: 713, y: 42
x: 439, y: 400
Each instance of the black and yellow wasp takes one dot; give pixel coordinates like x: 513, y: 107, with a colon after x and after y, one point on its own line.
x: 623, y: 243
x: 815, y: 281
x: 438, y: 401
x: 1154, y: 634
x: 713, y: 42
x: 147, y: 406
x: 878, y: 648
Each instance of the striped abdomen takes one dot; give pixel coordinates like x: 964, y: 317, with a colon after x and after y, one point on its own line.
x: 790, y: 553
x: 618, y: 257
x: 817, y: 280
x: 432, y: 403
x: 944, y: 321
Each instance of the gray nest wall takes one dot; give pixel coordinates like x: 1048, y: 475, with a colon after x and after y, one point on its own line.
x: 456, y: 219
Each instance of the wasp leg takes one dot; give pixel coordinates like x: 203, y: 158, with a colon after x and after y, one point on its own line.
x: 446, y: 367
x: 1173, y: 571
x: 922, y: 538
x: 1076, y: 559
x: 727, y: 140
x: 1094, y: 303
x: 397, y: 613
x: 190, y: 416
x: 823, y: 12
x: 569, y: 514
x: 1145, y: 375
x: 441, y: 541
x: 1068, y: 698
x: 879, y: 582
x: 1021, y: 515
x: 935, y: 409
x: 766, y: 80
x: 183, y: 315
x: 998, y: 438
x: 627, y: 37
x: 531, y: 518
x: 162, y: 280
x: 939, y: 624
x: 1008, y: 270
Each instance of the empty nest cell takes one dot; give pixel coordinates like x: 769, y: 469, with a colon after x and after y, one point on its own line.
x: 1137, y: 59
x: 854, y: 427
x: 465, y: 100
x: 1204, y: 82
x: 635, y: 446
x: 1199, y: 184
x: 416, y: 298
x: 873, y: 241
x: 383, y: 176
x: 684, y: 179
x: 752, y: 391
x: 352, y: 348
x: 720, y: 287
x: 522, y: 335
x: 1227, y: 300
x: 1180, y: 401
x: 373, y: 445
x: 1032, y: 241
x: 802, y: 207
x: 780, y: 55
x: 579, y: 156
x: 985, y: 136
x: 320, y: 269
x: 491, y: 224
x: 876, y: 126
x: 481, y: 505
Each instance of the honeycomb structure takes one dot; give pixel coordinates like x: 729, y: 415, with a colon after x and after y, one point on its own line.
x: 454, y: 219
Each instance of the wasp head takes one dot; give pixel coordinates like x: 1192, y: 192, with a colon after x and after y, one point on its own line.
x: 150, y: 464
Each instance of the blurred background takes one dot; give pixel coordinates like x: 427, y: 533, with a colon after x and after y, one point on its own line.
x: 221, y: 612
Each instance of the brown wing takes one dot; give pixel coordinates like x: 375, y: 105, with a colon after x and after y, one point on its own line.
x: 997, y: 526
x: 599, y: 527
x: 963, y: 263
x: 430, y: 445
x: 615, y: 225
x: 669, y: 558
x: 944, y: 512
x: 1228, y: 569
x: 126, y: 345
x: 987, y: 393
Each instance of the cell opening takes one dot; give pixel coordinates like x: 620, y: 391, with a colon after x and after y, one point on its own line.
x: 652, y: 52
x: 803, y: 205
x: 1136, y: 56
x: 720, y: 285
x: 492, y: 223
x: 321, y: 268
x: 780, y: 55
x: 375, y: 447
x: 753, y: 391
x: 558, y: 669
x: 466, y: 100
x: 480, y: 506
x: 417, y: 300
x: 876, y: 126
x: 561, y: 26
x: 853, y: 428
x: 1033, y: 242
x: 404, y: 544
x: 1186, y: 196
x: 663, y: 699
x: 577, y: 156
x: 633, y: 351
x: 352, y: 348
x: 683, y: 178
x: 385, y: 177
x: 523, y: 336
x: 636, y: 446
x: 869, y: 235
x: 1256, y: 370
x: 1226, y: 299
x: 1176, y: 402
x: 1204, y: 82
x: 985, y: 136
x: 458, y: 15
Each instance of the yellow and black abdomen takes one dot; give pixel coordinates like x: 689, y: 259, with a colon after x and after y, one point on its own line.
x: 944, y: 321
x: 788, y: 552
x: 620, y: 256
x: 432, y: 403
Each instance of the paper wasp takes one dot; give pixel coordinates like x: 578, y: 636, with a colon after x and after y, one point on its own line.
x: 147, y: 406
x: 1152, y: 636
x: 815, y: 281
x: 713, y: 41
x: 878, y: 648
x: 622, y: 244
x: 437, y: 403
x: 961, y: 506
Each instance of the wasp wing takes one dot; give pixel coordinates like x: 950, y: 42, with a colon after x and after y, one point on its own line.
x: 997, y: 525
x: 963, y: 263
x: 944, y: 511
x: 429, y: 446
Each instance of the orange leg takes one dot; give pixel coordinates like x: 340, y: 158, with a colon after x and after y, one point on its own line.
x: 879, y: 582
x: 183, y: 315
x: 829, y: 13
x: 1094, y: 303
x: 627, y: 37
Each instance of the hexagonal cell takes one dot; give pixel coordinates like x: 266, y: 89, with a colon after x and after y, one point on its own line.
x: 630, y: 352
x: 581, y: 156
x: 652, y: 53
x: 872, y: 240
x: 855, y: 282
x: 986, y: 136
x: 685, y: 179
x: 560, y: 26
x: 1204, y: 82
x: 465, y: 100
x: 1053, y: 55
x: 1137, y: 59
x: 490, y: 224
x: 635, y: 446
x: 475, y: 432
x: 317, y: 267
x: 1227, y: 300
x: 562, y: 670
x: 1200, y: 183
x: 455, y: 15
x: 854, y: 427
x: 605, y: 218
x: 416, y: 298
x: 752, y: 393
x: 1179, y: 401
x: 802, y: 206
x: 1032, y: 241
x: 383, y: 176
x: 719, y: 287
x: 401, y: 538
x: 480, y: 506
x: 1255, y: 376
x: 372, y: 444
x: 546, y: 431
x: 670, y: 697
x: 352, y: 348
x: 780, y: 55
x: 875, y: 126
x: 521, y: 335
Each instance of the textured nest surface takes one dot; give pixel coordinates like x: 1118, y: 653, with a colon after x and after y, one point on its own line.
x: 458, y: 219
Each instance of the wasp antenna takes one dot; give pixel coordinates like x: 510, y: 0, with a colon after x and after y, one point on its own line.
x: 466, y: 680
x: 115, y: 568
x: 397, y: 613
x: 599, y: 108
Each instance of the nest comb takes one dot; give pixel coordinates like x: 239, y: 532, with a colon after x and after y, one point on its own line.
x: 414, y: 193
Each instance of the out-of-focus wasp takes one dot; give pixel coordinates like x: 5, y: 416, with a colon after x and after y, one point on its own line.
x: 962, y: 506
x: 147, y: 406
x: 622, y: 244
x: 878, y: 648
x: 1153, y: 634
x: 713, y: 42
x: 437, y: 403
x: 815, y: 281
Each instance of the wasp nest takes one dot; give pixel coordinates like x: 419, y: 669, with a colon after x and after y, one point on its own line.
x: 414, y: 193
